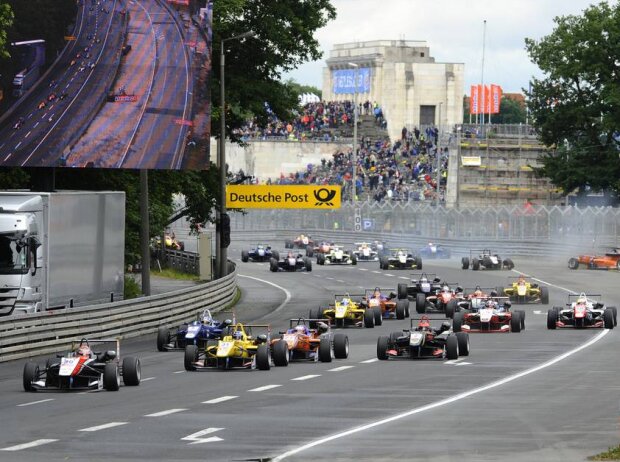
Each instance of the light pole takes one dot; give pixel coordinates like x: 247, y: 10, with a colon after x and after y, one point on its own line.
x: 354, y: 155
x: 438, y: 180
x: 221, y: 260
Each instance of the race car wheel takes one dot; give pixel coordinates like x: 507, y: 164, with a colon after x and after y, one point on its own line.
x: 341, y: 346
x: 515, y: 322
x: 353, y: 259
x: 383, y: 263
x: 573, y: 263
x: 544, y: 295
x: 191, y: 356
x: 463, y: 341
x: 552, y: 318
x: 382, y: 347
x: 465, y: 262
x: 457, y: 321
x: 608, y: 319
x: 522, y: 315
x: 162, y: 338
x: 475, y: 265
x: 452, y: 347
x: 320, y: 259
x: 402, y: 291
x: 325, y: 350
x: 378, y: 316
x: 280, y: 353
x: 451, y: 307
x: 263, y: 362
x: 508, y: 264
x: 401, y: 311
x: 111, y: 377
x: 245, y: 256
x: 309, y: 252
x: 406, y: 308
x: 420, y: 303
x: 308, y: 264
x: 131, y: 371
x: 275, y: 254
x: 273, y: 265
x: 418, y: 263
x: 615, y: 311
x: 31, y: 374
x: 369, y: 318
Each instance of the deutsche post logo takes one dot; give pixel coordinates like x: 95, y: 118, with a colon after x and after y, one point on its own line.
x: 324, y: 197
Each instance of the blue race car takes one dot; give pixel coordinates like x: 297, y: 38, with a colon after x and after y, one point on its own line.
x: 434, y: 251
x: 259, y: 253
x: 195, y: 333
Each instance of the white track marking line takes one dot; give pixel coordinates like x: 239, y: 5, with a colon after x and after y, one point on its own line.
x: 331, y: 279
x: 377, y: 272
x: 341, y: 368
x: 368, y: 361
x: 363, y: 269
x: 166, y: 412
x: 18, y: 145
x: 36, y: 402
x: 266, y: 387
x: 537, y: 312
x: 103, y: 427
x: 453, y: 361
x: 147, y: 379
x: 307, y: 377
x: 390, y: 275
x: 32, y: 444
x: 445, y: 401
x: 178, y: 372
x: 219, y: 400
x: 281, y: 305
x: 339, y: 280
x: 403, y: 277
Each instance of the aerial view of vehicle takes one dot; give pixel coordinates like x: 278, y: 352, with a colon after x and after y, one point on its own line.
x: 610, y: 260
x: 583, y: 311
x: 400, y: 259
x: 261, y: 252
x: 524, y: 290
x: 387, y: 301
x: 82, y: 368
x: 432, y: 250
x: 423, y: 341
x: 290, y: 262
x: 347, y: 312
x: 310, y: 340
x: 494, y: 316
x: 487, y: 260
x: 197, y: 332
x: 336, y: 256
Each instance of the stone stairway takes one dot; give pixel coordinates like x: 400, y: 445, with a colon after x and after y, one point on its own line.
x: 367, y: 127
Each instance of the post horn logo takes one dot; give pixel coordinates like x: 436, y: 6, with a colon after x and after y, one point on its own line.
x: 324, y: 197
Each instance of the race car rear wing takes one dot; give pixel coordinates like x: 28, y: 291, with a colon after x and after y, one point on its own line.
x: 430, y: 276
x: 582, y: 294
x: 305, y: 322
x: 117, y: 341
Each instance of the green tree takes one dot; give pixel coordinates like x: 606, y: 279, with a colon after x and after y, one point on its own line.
x: 6, y: 21
x: 300, y: 89
x: 576, y: 105
x: 285, y: 37
x: 510, y: 112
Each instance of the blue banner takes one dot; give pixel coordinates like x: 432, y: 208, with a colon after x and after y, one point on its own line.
x: 344, y: 81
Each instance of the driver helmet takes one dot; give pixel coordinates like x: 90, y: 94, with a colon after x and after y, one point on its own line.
x: 345, y: 301
x: 521, y: 280
x: 423, y: 279
x: 300, y: 329
x: 478, y: 291
x: 84, y: 350
x: 206, y: 317
x: 290, y: 255
x: 445, y: 326
x: 424, y: 322
x: 237, y: 335
x: 489, y: 304
x: 582, y: 300
x: 376, y: 293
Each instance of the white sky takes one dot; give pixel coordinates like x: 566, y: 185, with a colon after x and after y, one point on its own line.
x: 453, y: 30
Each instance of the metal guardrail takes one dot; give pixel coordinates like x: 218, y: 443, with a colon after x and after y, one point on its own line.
x: 24, y: 336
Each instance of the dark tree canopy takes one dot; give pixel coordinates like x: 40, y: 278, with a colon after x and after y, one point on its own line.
x: 6, y: 20
x: 576, y: 105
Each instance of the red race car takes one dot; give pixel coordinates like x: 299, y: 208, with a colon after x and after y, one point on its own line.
x: 493, y: 316
x: 582, y: 312
x: 611, y: 260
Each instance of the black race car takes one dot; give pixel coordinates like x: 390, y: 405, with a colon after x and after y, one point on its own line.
x: 291, y: 262
x: 486, y: 259
x: 400, y: 259
x: 259, y: 253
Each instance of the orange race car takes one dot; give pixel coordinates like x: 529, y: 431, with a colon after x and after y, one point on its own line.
x: 611, y: 260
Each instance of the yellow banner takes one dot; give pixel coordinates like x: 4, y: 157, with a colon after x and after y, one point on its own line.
x: 243, y: 196
x: 471, y: 161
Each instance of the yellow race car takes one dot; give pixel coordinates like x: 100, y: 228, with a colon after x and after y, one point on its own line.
x: 238, y: 348
x: 524, y: 290
x: 347, y: 312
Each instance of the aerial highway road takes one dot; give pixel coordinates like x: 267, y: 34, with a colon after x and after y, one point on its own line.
x: 534, y: 395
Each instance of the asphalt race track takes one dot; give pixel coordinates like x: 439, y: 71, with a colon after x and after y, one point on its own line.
x: 534, y: 395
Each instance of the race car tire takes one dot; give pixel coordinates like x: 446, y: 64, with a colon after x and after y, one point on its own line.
x: 552, y: 318
x: 273, y: 265
x: 615, y: 311
x: 245, y: 256
x: 309, y: 252
x: 313, y: 315
x: 394, y: 336
x: 465, y: 263
x: 451, y: 307
x: 325, y: 350
x: 475, y: 265
x: 280, y: 353
x: 320, y: 259
x: 406, y: 308
x: 457, y: 321
x: 418, y: 263
x: 608, y: 319
x: 31, y: 374
x: 544, y: 295
x: 111, y: 377
x: 275, y: 254
x: 463, y: 341
x: 353, y: 259
x: 420, y: 303
x: 522, y: 318
x: 341, y: 346
x: 401, y: 311
x: 452, y: 347
x: 308, y: 264
x: 263, y: 362
x: 515, y: 322
x: 378, y: 316
x: 382, y: 347
x: 369, y: 318
x: 383, y: 263
x: 163, y: 338
x: 573, y: 263
x: 131, y: 371
x: 402, y: 291
x: 508, y: 264
x: 190, y: 357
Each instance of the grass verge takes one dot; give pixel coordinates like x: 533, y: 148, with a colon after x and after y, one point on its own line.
x: 174, y: 274
x: 610, y: 454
